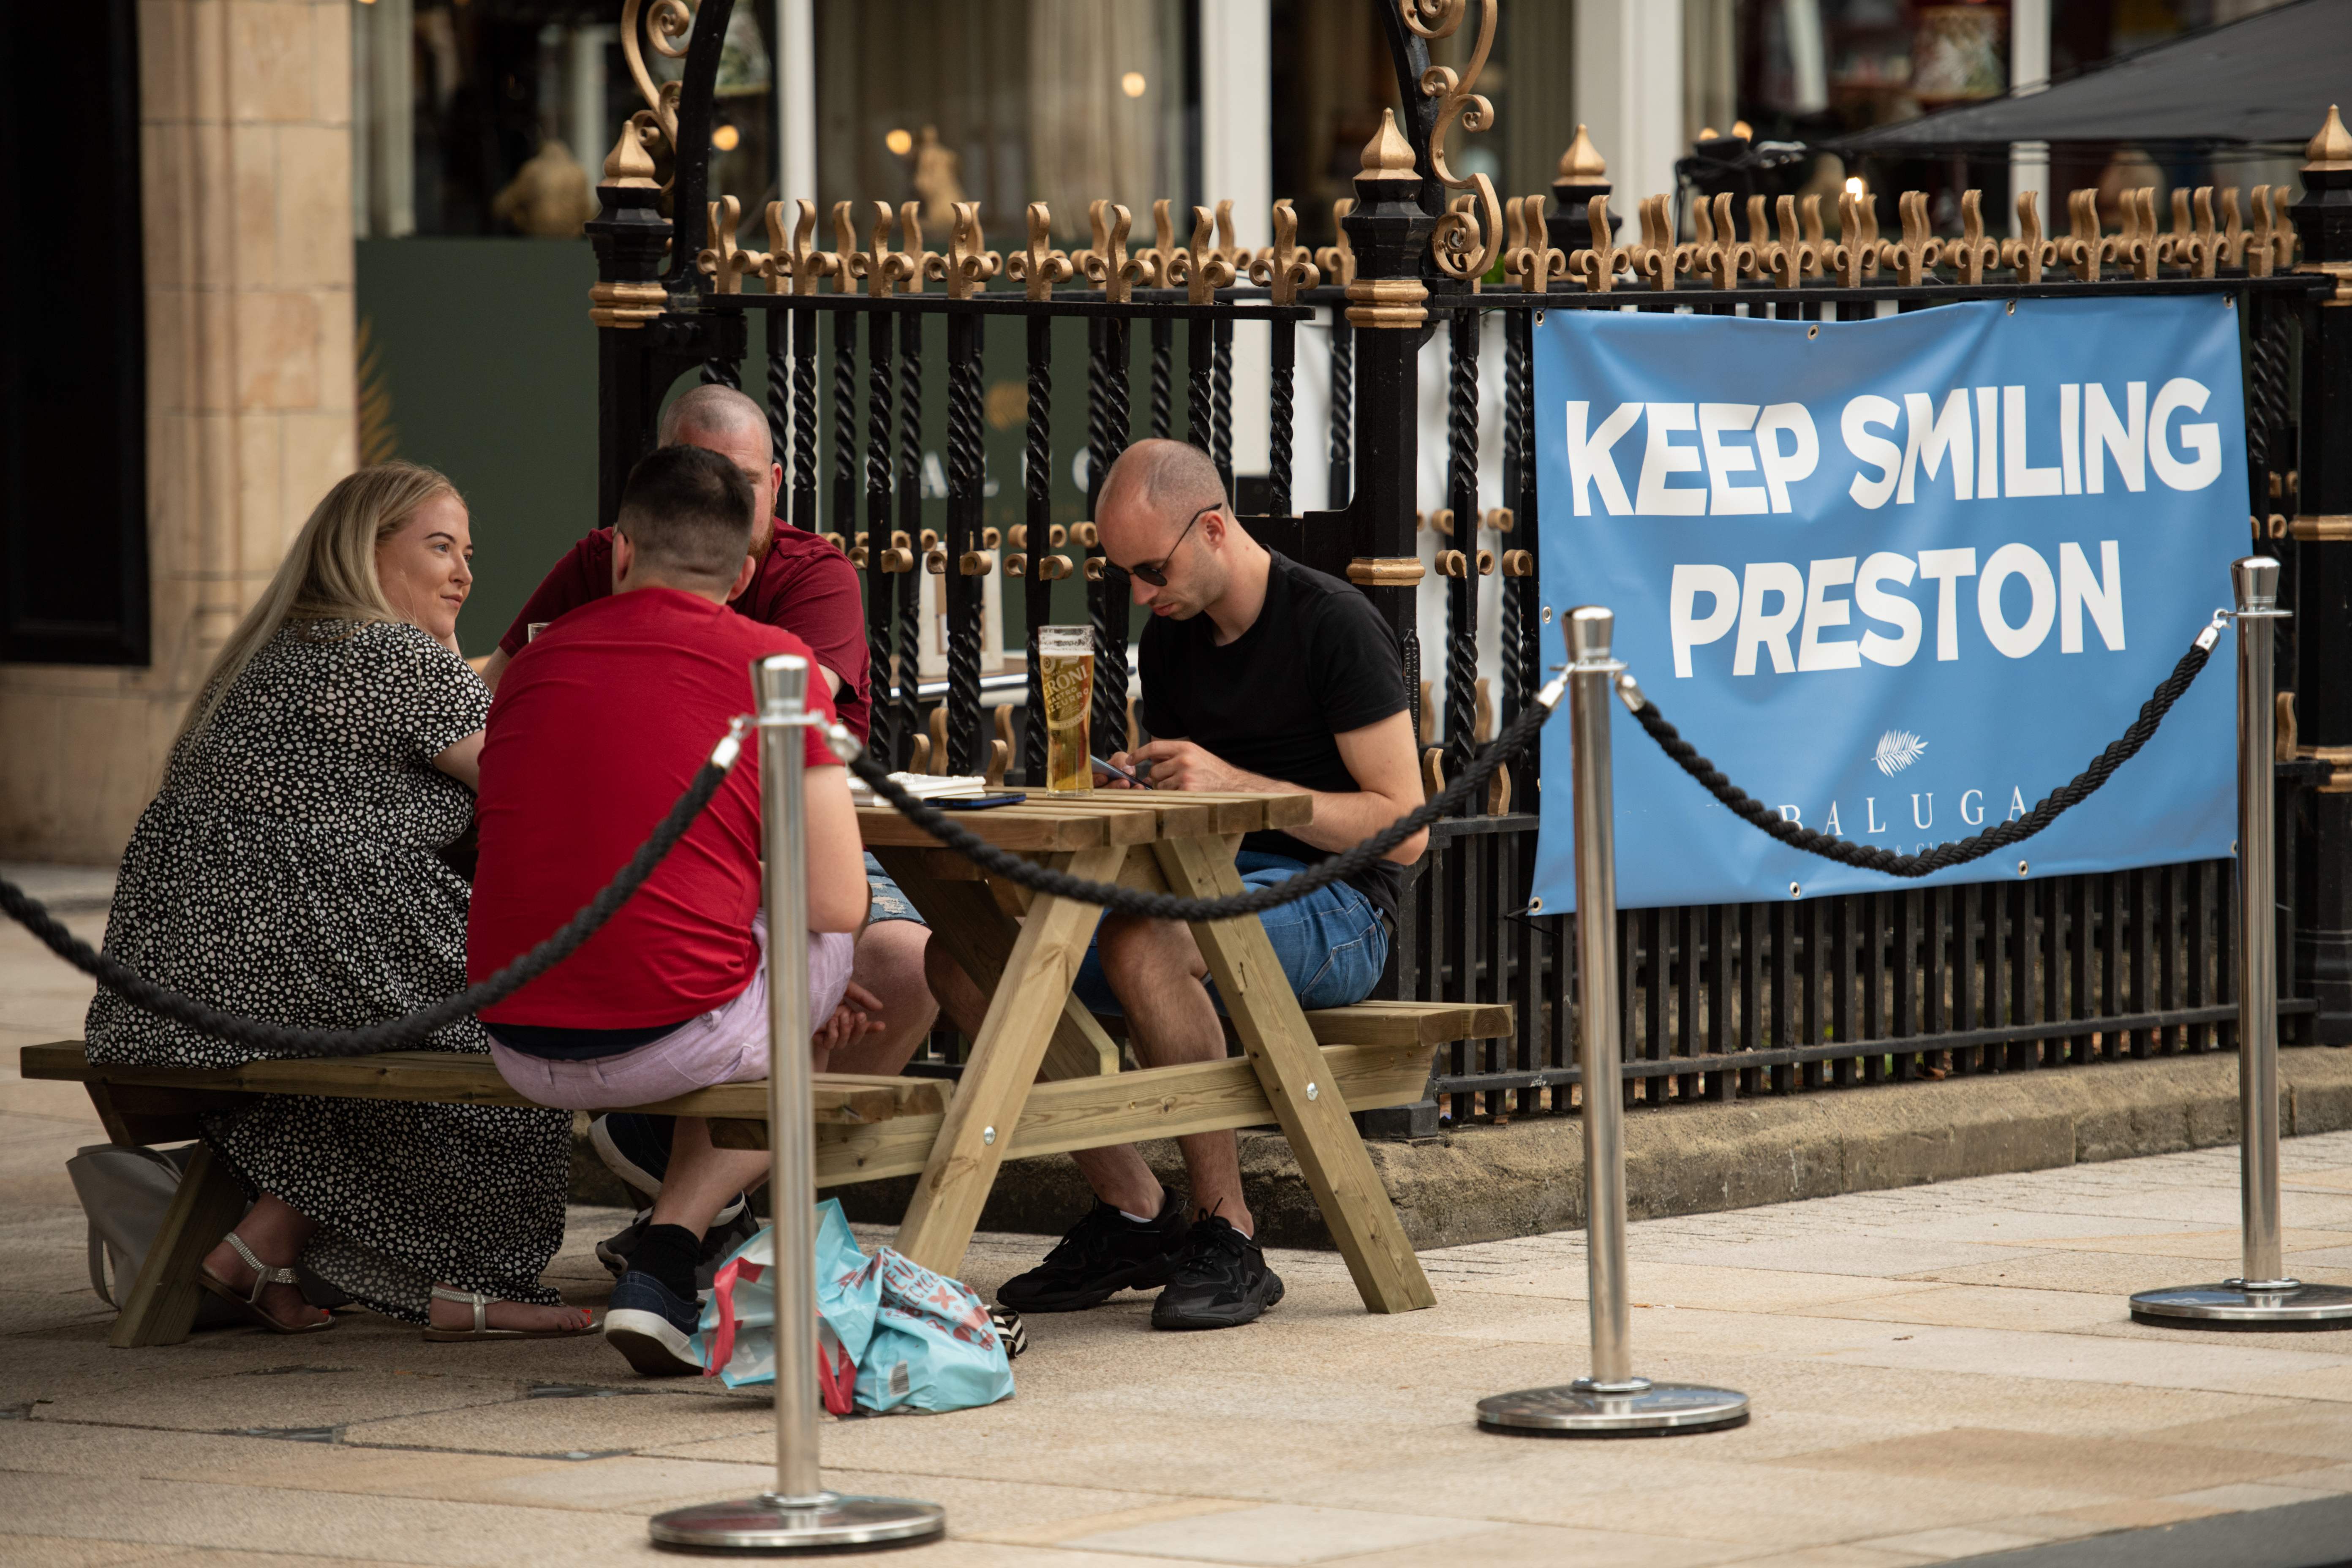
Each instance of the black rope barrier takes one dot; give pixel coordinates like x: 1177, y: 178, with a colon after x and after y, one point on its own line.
x: 1348, y: 863
x: 1959, y: 851
x: 397, y: 1034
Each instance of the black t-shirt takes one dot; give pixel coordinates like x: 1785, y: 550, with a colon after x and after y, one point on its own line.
x: 1316, y: 663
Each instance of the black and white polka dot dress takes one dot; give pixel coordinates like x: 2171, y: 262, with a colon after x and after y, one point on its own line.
x: 285, y: 870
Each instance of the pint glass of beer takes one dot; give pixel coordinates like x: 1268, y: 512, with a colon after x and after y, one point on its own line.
x: 1065, y: 660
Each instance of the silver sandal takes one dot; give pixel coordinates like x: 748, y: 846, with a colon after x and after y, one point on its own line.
x: 249, y: 1301
x: 482, y: 1330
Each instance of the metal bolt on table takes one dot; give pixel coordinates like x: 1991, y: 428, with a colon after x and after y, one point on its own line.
x: 2263, y: 1295
x: 798, y: 1515
x: 1612, y: 1402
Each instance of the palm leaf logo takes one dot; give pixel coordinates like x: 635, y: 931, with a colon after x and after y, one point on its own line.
x: 1898, y: 750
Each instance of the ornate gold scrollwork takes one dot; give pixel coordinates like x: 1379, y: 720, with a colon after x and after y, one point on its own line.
x: 798, y: 261
x: 1531, y: 260
x: 2084, y: 248
x: 1597, y: 268
x: 723, y: 259
x: 1039, y: 267
x: 878, y: 264
x: 1337, y: 261
x: 2029, y: 253
x: 1105, y: 263
x: 1284, y: 268
x: 1468, y: 237
x: 1234, y: 255
x: 665, y: 21
x: 969, y: 264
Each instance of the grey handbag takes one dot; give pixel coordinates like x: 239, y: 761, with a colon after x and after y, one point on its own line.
x: 124, y: 1190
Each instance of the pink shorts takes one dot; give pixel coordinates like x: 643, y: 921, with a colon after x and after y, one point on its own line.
x: 725, y: 1045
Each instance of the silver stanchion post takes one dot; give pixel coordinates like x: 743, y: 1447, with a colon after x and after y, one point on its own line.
x: 1612, y: 1402
x: 2263, y: 1296
x: 800, y: 1515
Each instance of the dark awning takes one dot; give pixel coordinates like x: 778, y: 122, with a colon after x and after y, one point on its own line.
x: 2266, y: 80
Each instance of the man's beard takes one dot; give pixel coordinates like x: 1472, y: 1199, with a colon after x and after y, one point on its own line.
x: 764, y: 540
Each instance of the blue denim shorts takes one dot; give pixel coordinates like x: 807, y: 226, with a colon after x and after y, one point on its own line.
x: 1332, y: 944
x: 890, y: 900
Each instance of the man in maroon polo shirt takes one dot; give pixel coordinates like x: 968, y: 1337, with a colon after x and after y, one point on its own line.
x: 806, y: 587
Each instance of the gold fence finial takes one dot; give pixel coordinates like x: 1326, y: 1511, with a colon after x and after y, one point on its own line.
x: 630, y: 162
x: 1151, y: 262
x: 798, y: 261
x: 1970, y: 255
x: 969, y: 263
x: 723, y: 259
x: 2230, y: 247
x: 1284, y: 268
x: 914, y: 262
x: 844, y: 250
x: 1532, y: 261
x: 1848, y: 254
x: 1910, y: 258
x: 2261, y: 245
x: 2029, y: 253
x: 1581, y: 164
x: 2083, y: 248
x: 1388, y: 155
x: 1229, y: 251
x: 1040, y: 266
x: 1105, y: 262
x: 1338, y: 260
x: 1658, y: 258
x: 2331, y: 148
x: 877, y: 263
x: 1205, y: 268
x: 1597, y: 268
x: 1732, y: 258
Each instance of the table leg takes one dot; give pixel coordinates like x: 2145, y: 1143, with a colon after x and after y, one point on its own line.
x: 1013, y: 1041
x: 1282, y: 1048
x: 979, y: 935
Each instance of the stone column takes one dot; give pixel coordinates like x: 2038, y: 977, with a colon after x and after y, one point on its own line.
x: 244, y: 147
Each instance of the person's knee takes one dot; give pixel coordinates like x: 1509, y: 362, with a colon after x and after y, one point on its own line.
x: 1144, y: 951
x: 893, y: 956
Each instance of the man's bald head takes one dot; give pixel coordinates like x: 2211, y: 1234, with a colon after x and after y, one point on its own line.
x: 714, y: 410
x: 1160, y: 479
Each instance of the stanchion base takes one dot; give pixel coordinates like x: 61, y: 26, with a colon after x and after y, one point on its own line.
x: 769, y: 1524
x: 1578, y: 1410
x: 2230, y: 1305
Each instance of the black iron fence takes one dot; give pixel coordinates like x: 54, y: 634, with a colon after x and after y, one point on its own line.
x: 870, y: 370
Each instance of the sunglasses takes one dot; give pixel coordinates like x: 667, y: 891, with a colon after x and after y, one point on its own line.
x: 1156, y: 572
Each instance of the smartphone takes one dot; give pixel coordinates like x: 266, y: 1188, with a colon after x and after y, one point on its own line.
x: 1101, y: 766
x: 974, y: 802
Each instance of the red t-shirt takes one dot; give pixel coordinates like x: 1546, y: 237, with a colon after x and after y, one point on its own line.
x: 597, y: 728
x: 804, y: 585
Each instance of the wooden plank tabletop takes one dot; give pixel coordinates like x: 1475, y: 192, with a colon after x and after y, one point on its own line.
x: 1094, y: 819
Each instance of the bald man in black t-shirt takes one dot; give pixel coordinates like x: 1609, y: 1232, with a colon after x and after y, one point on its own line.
x: 1258, y: 674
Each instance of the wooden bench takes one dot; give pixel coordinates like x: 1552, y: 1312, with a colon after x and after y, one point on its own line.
x: 1374, y: 1054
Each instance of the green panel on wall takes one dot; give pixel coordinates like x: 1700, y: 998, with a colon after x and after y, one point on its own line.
x: 485, y: 349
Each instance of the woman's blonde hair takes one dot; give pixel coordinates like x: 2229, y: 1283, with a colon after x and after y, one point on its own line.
x: 328, y: 574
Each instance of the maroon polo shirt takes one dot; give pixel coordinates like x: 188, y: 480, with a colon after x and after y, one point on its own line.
x: 803, y: 585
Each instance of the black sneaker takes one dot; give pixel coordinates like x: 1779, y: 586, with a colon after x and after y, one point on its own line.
x: 734, y: 1225
x: 634, y: 1147
x: 650, y: 1325
x: 1104, y: 1254
x: 1220, y: 1281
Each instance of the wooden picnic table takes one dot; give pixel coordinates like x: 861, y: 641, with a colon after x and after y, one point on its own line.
x: 1024, y: 951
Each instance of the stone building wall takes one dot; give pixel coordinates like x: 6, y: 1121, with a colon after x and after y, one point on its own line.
x: 245, y: 112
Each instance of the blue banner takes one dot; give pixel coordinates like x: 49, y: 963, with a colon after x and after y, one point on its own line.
x: 1898, y: 578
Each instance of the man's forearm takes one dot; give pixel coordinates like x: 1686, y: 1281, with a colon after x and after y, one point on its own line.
x: 1343, y: 818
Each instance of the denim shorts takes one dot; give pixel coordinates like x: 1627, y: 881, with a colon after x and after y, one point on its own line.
x: 1332, y: 944
x: 890, y: 900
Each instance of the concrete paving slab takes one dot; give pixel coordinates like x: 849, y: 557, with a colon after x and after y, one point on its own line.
x: 1958, y: 1542
x: 1276, y: 1534
x: 1980, y: 1306
x: 1530, y: 1546
x: 2119, y: 1468
x: 2083, y: 1357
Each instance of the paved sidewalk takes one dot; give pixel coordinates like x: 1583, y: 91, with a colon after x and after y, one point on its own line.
x: 1936, y: 1371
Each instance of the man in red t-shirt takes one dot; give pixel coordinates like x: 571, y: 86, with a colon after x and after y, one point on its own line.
x: 807, y: 587
x: 598, y: 728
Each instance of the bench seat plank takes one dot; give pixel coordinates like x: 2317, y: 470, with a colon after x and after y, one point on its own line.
x: 449, y: 1078
x: 1093, y: 1113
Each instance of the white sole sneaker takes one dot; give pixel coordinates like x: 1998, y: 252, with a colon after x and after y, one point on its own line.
x: 651, y: 1343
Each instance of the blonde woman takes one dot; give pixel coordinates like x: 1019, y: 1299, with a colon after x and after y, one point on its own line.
x: 285, y: 870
